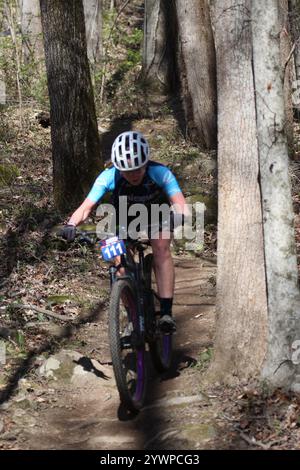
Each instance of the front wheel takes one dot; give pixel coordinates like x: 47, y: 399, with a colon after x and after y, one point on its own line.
x: 160, y: 344
x: 127, y: 350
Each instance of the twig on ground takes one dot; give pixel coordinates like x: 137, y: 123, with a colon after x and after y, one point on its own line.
x: 49, y: 271
x: 44, y: 312
x: 253, y: 442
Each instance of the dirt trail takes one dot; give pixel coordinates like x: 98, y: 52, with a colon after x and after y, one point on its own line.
x: 70, y: 400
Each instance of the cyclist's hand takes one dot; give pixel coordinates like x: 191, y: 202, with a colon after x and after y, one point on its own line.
x: 69, y: 232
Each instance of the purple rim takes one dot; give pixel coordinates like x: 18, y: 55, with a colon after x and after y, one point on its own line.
x: 140, y: 362
x: 140, y: 376
x: 166, y: 348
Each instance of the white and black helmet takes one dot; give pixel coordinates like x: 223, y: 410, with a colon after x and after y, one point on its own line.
x: 130, y: 151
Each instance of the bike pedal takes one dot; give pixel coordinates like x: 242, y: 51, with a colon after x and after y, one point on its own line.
x: 167, y: 325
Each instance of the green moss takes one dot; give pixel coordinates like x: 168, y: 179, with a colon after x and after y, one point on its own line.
x: 180, y: 245
x: 199, y: 432
x: 3, y: 380
x: 135, y: 38
x: 59, y: 299
x: 8, y: 174
x: 3, y: 227
x: 204, y: 359
x: 65, y: 371
x: 24, y: 404
x: 83, y: 265
x: 76, y: 344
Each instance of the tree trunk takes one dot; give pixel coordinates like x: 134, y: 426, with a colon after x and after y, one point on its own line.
x: 31, y: 29
x: 280, y: 250
x: 93, y: 28
x: 155, y: 57
x: 75, y: 140
x: 197, y: 70
x: 294, y: 7
x: 10, y: 15
x: 240, y: 344
x: 285, y: 49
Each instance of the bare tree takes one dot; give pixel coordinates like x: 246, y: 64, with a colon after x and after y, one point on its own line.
x: 287, y: 65
x: 197, y: 70
x: 93, y: 27
x: 178, y: 43
x: 155, y: 57
x: 258, y: 297
x: 279, y: 237
x: 75, y: 140
x: 31, y: 28
x: 241, y: 334
x: 294, y: 8
x: 10, y: 16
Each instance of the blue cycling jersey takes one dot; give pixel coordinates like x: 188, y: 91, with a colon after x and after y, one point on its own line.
x: 158, y: 181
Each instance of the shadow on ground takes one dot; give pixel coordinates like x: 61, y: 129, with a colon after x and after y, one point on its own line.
x: 50, y: 346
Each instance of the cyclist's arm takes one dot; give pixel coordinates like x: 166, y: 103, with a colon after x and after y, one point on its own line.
x: 167, y: 181
x: 178, y: 200
x: 104, y: 183
x: 82, y: 212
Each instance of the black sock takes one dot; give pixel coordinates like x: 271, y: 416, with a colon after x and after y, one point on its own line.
x: 166, y: 306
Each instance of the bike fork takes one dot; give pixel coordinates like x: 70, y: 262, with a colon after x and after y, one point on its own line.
x: 112, y: 274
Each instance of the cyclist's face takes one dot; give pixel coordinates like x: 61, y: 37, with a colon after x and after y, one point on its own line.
x: 134, y: 177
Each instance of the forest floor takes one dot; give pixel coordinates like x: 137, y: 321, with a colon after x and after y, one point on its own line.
x: 57, y: 389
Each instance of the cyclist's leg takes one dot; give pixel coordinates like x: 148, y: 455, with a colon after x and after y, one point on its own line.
x: 163, y: 265
x: 165, y: 278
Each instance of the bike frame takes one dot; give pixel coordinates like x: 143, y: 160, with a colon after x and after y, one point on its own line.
x: 134, y: 274
x: 143, y: 320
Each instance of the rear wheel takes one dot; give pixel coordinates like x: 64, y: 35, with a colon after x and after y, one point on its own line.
x: 160, y: 344
x: 128, y: 356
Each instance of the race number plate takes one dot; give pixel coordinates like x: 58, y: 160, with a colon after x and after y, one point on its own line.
x: 113, y: 247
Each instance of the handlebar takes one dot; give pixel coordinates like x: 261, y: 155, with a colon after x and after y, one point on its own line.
x: 92, y: 236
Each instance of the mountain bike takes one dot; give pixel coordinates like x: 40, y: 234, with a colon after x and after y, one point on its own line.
x: 133, y: 318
